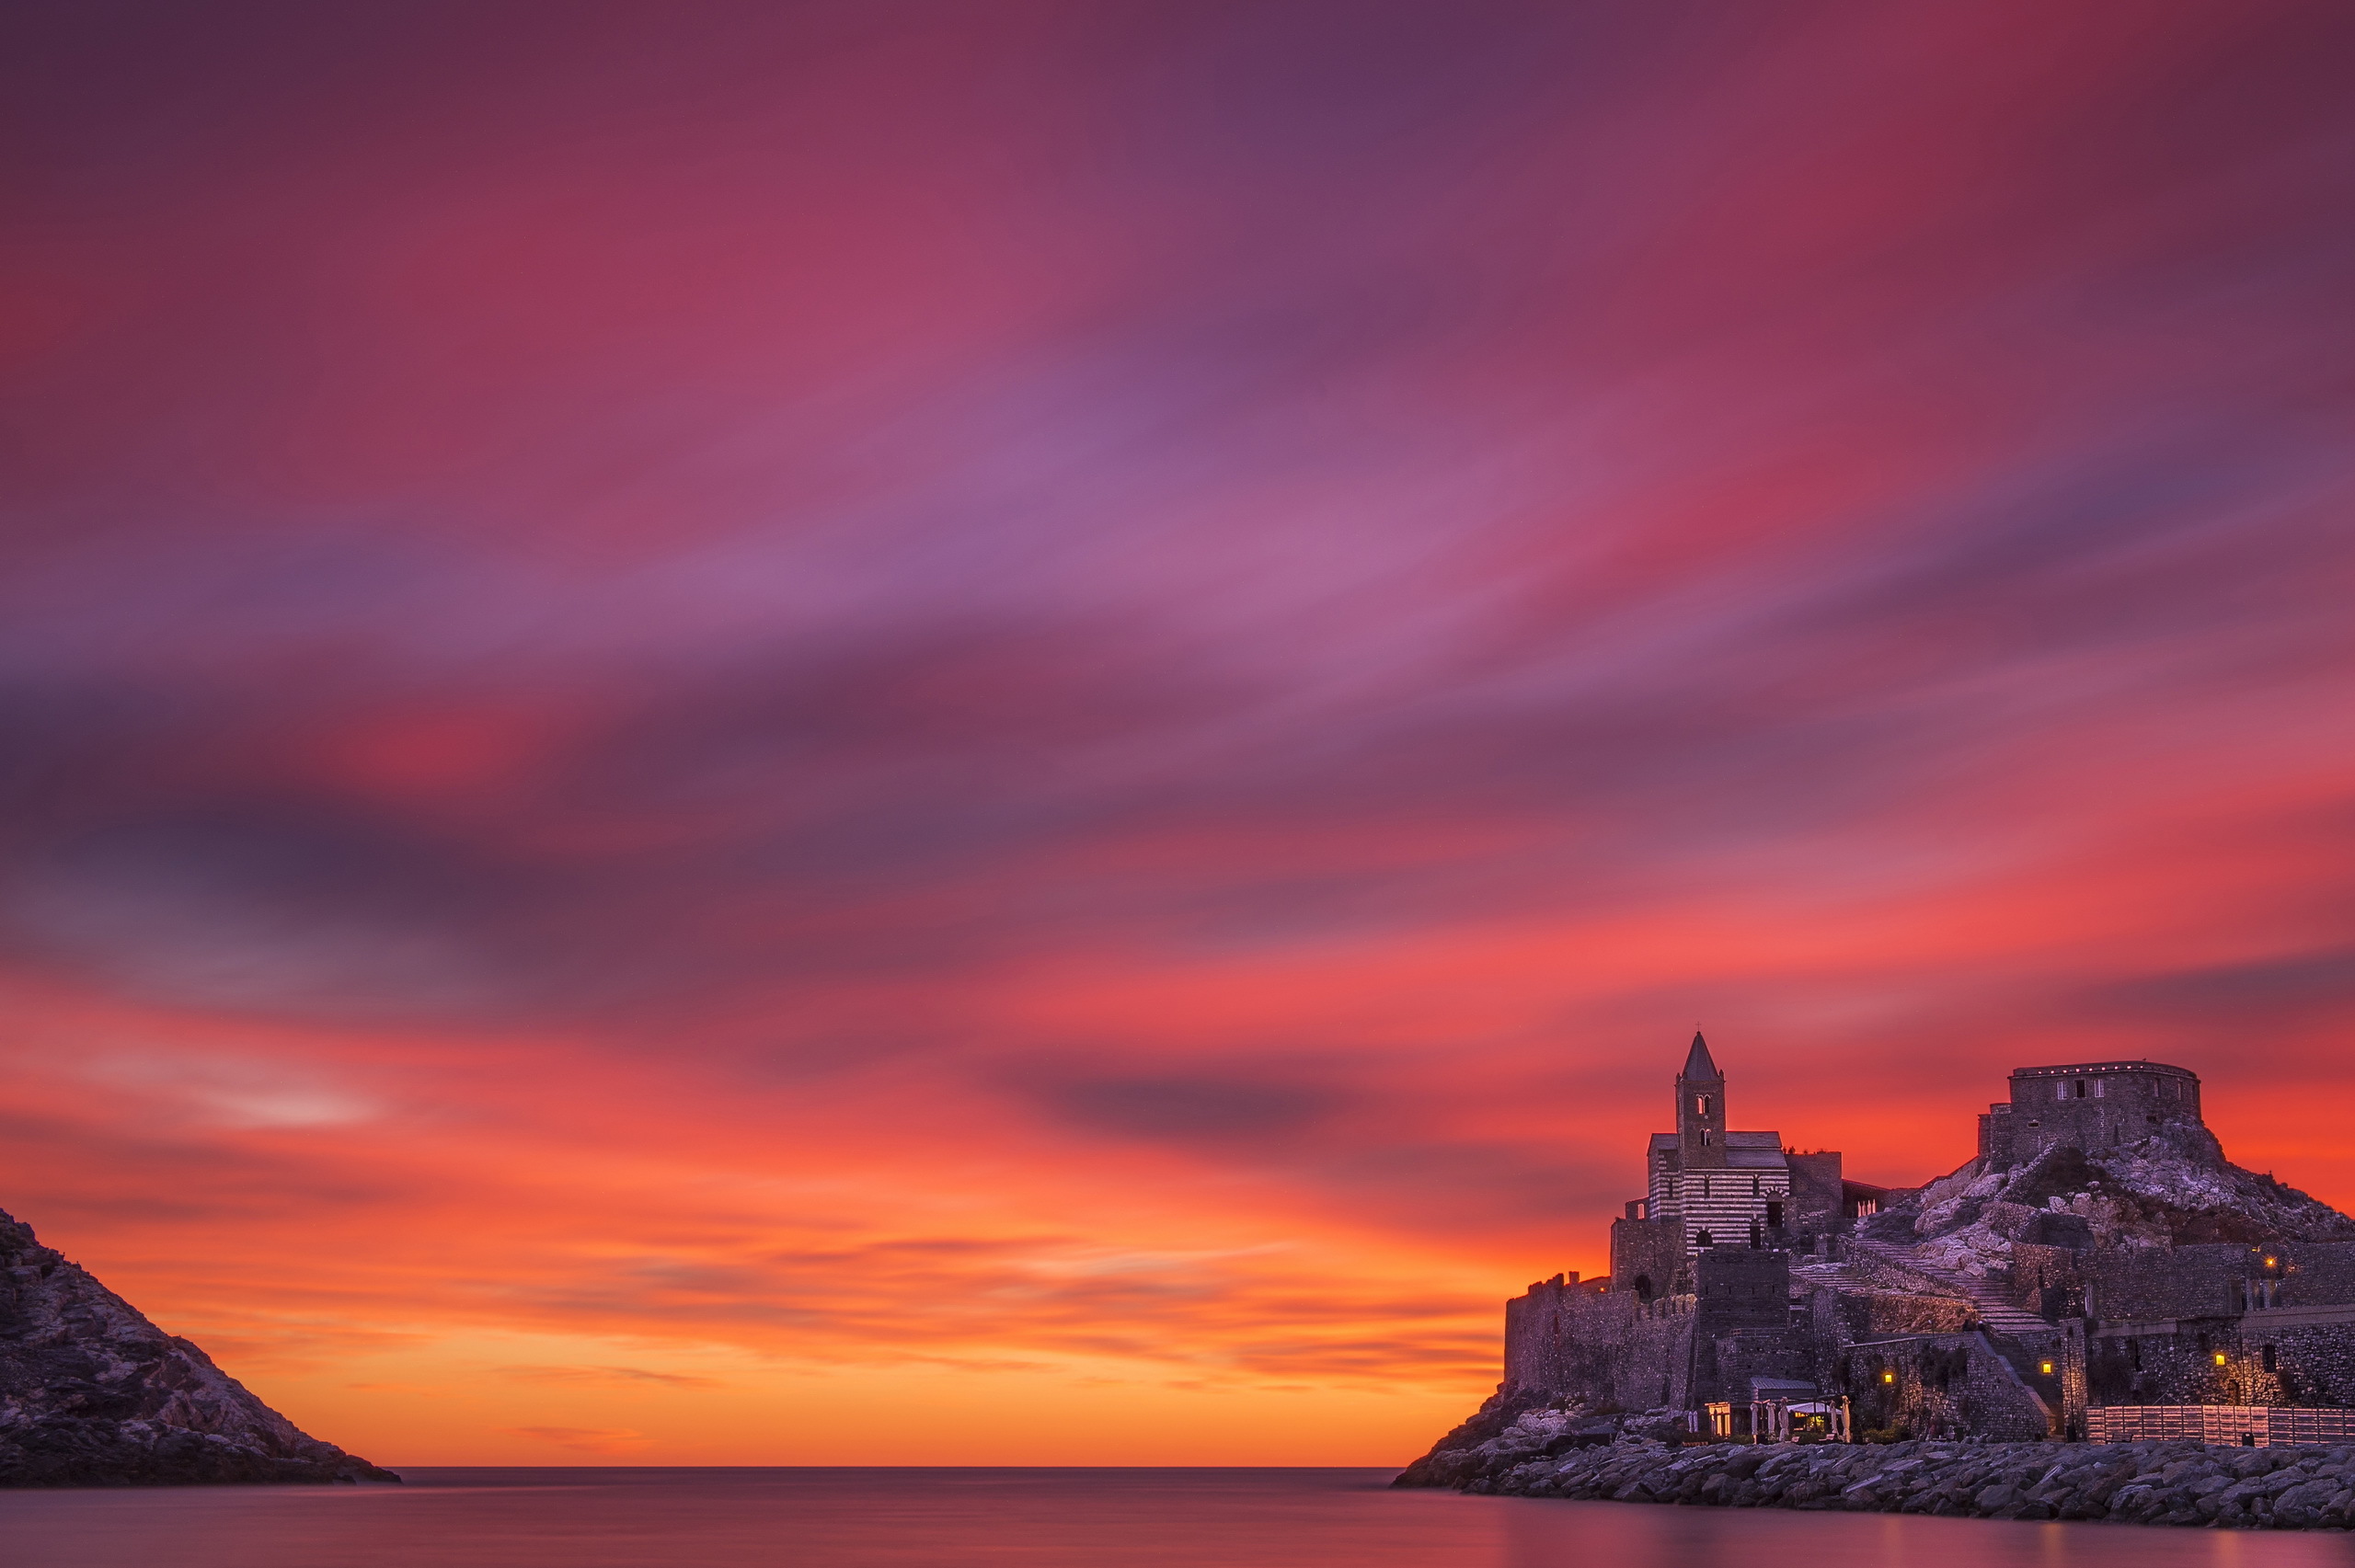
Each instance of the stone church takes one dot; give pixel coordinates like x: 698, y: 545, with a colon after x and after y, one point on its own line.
x: 1711, y: 1185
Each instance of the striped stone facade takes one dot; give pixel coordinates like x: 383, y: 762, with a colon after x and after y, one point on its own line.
x: 1719, y: 1187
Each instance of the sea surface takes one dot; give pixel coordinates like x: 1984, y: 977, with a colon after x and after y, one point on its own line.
x: 1055, y: 1519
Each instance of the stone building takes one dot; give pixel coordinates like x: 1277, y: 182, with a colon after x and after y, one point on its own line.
x: 2089, y: 1105
x: 1711, y: 1185
x: 2097, y: 1251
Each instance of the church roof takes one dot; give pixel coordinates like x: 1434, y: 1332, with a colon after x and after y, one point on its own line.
x: 1697, y: 1063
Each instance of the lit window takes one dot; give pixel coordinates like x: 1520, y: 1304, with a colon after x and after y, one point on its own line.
x: 1889, y: 1377
x: 2220, y: 1358
x: 2048, y: 1367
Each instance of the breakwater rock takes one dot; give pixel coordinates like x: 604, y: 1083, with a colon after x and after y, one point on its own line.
x: 93, y: 1394
x: 2149, y: 1483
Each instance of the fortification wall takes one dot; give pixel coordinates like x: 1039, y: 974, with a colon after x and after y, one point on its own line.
x: 1815, y: 1190
x: 1742, y: 1287
x: 1724, y: 1364
x: 1941, y: 1385
x: 1648, y: 1258
x: 2269, y: 1358
x: 1885, y: 1314
x: 2201, y: 1281
x: 1605, y: 1349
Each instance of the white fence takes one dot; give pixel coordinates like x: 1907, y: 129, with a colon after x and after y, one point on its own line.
x: 2272, y: 1425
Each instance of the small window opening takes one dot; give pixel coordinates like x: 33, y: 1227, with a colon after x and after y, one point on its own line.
x: 2268, y: 1359
x: 2134, y: 1351
x: 1773, y: 1215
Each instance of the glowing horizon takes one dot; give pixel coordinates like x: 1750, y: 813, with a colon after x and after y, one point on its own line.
x: 717, y: 727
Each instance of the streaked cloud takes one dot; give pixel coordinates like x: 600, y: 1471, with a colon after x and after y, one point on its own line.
x: 824, y: 699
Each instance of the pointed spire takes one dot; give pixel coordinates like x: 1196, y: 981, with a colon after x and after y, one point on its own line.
x: 1697, y: 1065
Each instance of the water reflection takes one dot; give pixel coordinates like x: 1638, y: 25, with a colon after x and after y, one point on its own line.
x: 1031, y: 1518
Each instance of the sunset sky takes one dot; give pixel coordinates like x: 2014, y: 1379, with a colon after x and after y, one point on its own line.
x: 894, y: 733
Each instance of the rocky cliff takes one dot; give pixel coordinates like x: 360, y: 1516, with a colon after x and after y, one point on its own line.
x: 2175, y: 1188
x: 93, y: 1394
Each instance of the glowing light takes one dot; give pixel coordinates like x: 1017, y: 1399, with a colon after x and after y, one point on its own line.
x: 1889, y: 1377
x: 2048, y: 1366
x: 2220, y: 1358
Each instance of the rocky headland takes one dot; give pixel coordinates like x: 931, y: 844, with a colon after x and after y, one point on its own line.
x: 1996, y: 1258
x: 93, y: 1394
x: 1552, y: 1453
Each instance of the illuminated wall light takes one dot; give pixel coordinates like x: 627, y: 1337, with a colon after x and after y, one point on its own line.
x: 1889, y: 1377
x: 2048, y: 1369
x: 2220, y: 1358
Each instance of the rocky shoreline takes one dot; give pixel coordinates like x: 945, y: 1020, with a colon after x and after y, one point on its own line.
x: 2148, y: 1484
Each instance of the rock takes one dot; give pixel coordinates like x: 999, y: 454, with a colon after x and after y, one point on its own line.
x: 93, y: 1394
x: 2171, y: 1484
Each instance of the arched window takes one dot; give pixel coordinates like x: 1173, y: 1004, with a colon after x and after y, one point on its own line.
x: 1701, y: 1238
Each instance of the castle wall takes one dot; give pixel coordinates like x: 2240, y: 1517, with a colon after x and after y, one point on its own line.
x: 2262, y: 1359
x: 1742, y: 1287
x: 1724, y: 1364
x: 1887, y: 1314
x: 1941, y: 1385
x: 1648, y: 1258
x: 1605, y: 1349
x: 2215, y: 1279
x: 1815, y: 1190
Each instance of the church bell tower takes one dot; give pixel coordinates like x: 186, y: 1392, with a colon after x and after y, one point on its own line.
x: 1701, y: 1110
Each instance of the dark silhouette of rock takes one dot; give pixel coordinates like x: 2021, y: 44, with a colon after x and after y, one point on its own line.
x: 93, y: 1394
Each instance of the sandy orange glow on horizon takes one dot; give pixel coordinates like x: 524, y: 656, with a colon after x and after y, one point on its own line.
x: 929, y: 734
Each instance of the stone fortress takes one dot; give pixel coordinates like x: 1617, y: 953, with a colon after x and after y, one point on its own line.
x: 2098, y: 1269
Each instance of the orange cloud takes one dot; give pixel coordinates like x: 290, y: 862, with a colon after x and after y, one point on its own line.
x: 639, y: 799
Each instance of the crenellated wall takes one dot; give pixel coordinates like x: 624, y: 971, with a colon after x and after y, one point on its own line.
x: 1601, y: 1348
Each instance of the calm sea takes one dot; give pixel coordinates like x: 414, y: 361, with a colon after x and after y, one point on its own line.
x: 948, y: 1518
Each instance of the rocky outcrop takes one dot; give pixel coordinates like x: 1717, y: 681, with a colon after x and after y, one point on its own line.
x: 2175, y: 1188
x: 1541, y: 1454
x: 93, y: 1394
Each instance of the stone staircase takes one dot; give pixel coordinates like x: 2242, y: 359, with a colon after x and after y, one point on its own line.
x: 1994, y: 1306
